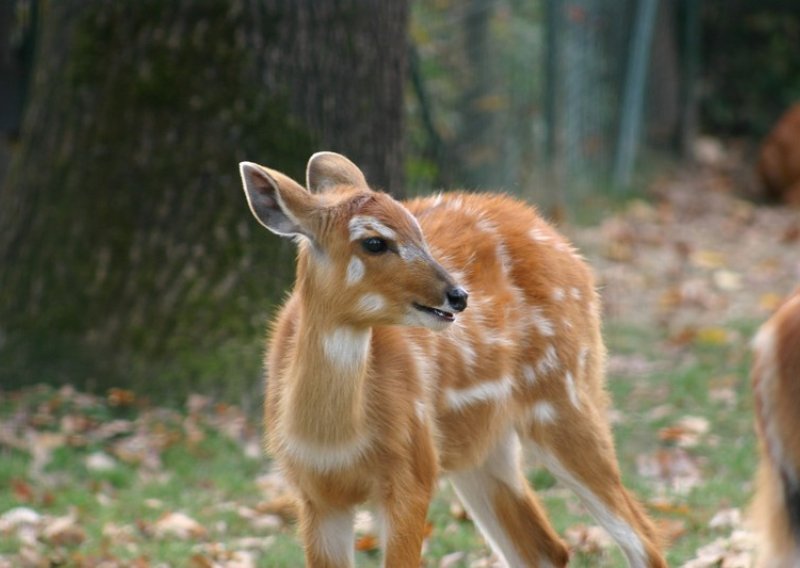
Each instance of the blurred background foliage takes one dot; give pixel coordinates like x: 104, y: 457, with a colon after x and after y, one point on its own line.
x: 127, y: 254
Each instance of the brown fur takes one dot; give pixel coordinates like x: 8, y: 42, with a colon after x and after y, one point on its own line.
x: 455, y: 400
x: 776, y: 389
x: 779, y: 159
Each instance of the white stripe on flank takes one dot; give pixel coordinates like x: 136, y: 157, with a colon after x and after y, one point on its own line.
x: 355, y: 271
x: 543, y: 412
x: 582, y: 355
x: 529, y: 374
x: 362, y: 225
x: 484, y: 392
x: 539, y: 236
x: 572, y: 392
x: 541, y: 323
x: 549, y: 361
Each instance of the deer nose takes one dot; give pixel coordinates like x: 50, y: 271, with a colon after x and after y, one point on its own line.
x: 457, y: 298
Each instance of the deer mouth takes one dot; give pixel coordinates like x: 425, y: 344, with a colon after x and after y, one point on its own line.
x: 437, y: 313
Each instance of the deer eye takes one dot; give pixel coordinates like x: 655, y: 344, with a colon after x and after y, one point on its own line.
x: 375, y: 245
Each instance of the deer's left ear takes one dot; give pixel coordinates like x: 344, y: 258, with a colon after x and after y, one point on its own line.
x: 278, y: 202
x: 329, y: 169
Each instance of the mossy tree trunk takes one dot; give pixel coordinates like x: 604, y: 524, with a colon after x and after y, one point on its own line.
x: 128, y: 253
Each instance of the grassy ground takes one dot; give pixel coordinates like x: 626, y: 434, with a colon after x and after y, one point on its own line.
x: 201, y: 460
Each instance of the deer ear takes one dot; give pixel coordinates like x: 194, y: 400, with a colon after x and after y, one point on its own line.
x: 278, y: 202
x: 328, y: 169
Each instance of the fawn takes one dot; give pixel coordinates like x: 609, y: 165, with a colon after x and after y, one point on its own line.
x: 380, y: 376
x: 776, y: 389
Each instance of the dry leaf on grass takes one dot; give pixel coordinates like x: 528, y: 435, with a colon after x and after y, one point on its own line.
x: 673, y: 468
x: 178, y: 525
x: 736, y: 551
x: 588, y: 539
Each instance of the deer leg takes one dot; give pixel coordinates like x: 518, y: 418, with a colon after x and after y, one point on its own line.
x: 577, y: 447
x: 328, y: 536
x: 506, y: 511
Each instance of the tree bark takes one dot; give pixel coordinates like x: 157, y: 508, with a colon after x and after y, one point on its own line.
x: 127, y: 250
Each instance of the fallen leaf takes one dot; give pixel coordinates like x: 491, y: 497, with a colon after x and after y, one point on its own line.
x: 100, y: 461
x: 708, y: 259
x: 64, y: 531
x: 18, y: 516
x: 178, y: 525
x: 452, y: 560
x: 367, y: 543
x: 726, y: 518
x: 769, y: 301
x: 588, y: 539
x: 727, y: 280
x: 674, y: 468
x: 284, y: 506
x: 713, y: 336
x: 671, y: 529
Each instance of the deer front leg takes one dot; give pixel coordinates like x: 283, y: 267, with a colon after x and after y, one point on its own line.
x: 327, y: 536
x: 404, y: 503
x: 404, y: 531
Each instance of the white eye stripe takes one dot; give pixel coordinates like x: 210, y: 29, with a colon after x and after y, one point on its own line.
x: 363, y: 225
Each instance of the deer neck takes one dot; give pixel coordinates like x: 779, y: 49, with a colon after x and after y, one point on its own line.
x: 326, y: 403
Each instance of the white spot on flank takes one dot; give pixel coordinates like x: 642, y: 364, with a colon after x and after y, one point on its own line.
x: 355, y: 271
x: 483, y: 392
x: 335, y: 538
x: 362, y: 225
x: 529, y: 374
x: 620, y: 531
x: 549, y: 361
x: 419, y: 408
x: 541, y: 323
x: 486, y: 226
x: 371, y: 303
x: 582, y: 355
x: 572, y: 392
x: 539, y: 236
x: 558, y: 294
x: 543, y: 412
x: 575, y: 293
x: 346, y: 348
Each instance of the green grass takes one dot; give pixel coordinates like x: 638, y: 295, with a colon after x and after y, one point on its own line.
x: 208, y: 480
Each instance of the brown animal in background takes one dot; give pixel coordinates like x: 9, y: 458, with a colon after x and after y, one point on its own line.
x: 776, y: 387
x: 779, y: 161
x: 379, y: 376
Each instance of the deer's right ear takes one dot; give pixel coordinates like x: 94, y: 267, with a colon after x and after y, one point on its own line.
x: 278, y: 202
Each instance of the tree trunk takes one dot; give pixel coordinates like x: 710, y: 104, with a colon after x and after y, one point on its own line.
x: 128, y: 253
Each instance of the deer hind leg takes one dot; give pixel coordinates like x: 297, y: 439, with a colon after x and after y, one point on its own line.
x: 506, y: 511
x: 576, y: 446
